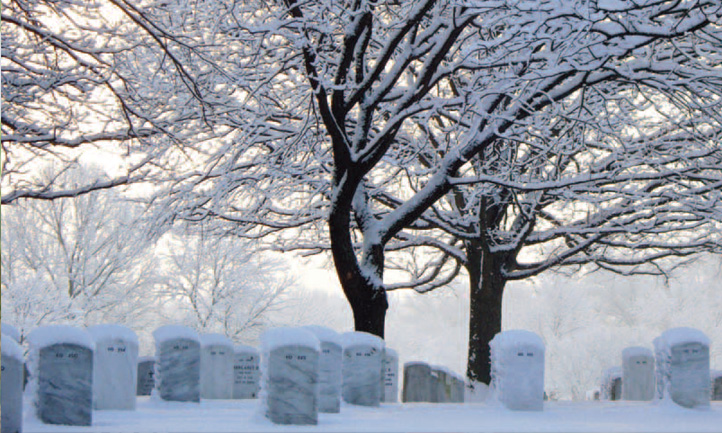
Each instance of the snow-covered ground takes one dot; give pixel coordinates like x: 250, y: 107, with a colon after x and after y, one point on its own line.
x: 242, y: 416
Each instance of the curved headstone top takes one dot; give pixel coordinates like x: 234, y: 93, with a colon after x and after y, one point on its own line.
x: 45, y: 336
x: 242, y: 348
x: 714, y: 374
x: 215, y: 340
x: 113, y: 332
x: 11, y: 332
x: 11, y: 348
x: 412, y: 363
x: 682, y: 335
x: 280, y: 337
x: 391, y: 352
x: 633, y: 351
x: 613, y: 372
x: 172, y: 332
x: 325, y: 334
x: 516, y: 337
x: 358, y: 338
x: 146, y: 358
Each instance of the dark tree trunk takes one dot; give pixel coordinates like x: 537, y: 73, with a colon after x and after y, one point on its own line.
x: 486, y: 285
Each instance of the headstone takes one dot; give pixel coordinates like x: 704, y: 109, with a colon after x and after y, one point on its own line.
x: 390, y: 377
x: 178, y: 363
x: 61, y: 375
x: 216, y: 367
x: 457, y: 388
x: 418, y: 384
x: 246, y: 373
x: 593, y: 394
x: 637, y: 374
x: 12, y: 385
x: 716, y: 379
x: 362, y: 365
x: 289, y: 376
x: 146, y: 373
x: 517, y: 369
x: 439, y: 380
x: 115, y: 371
x: 330, y: 375
x: 612, y: 384
x: 683, y: 372
x: 10, y: 331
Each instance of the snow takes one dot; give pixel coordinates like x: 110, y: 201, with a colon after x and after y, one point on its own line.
x: 113, y: 332
x: 48, y: 335
x: 242, y: 348
x: 11, y: 332
x: 362, y: 338
x: 446, y: 370
x: 172, y: 332
x: 682, y: 335
x: 223, y: 416
x: 509, y: 340
x: 215, y: 340
x: 11, y: 348
x: 631, y: 352
x: 279, y: 337
x: 325, y: 334
x: 145, y: 359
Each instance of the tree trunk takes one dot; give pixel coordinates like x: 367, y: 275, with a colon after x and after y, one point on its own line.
x: 486, y: 285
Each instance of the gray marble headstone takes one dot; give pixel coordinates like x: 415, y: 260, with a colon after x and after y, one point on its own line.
x: 517, y: 369
x: 12, y: 386
x: 616, y: 389
x: 440, y: 392
x: 146, y: 373
x: 115, y: 371
x: 330, y: 369
x: 362, y: 365
x: 291, y: 385
x: 611, y: 385
x: 683, y: 366
x: 216, y: 367
x: 65, y: 385
x: 458, y: 386
x: 178, y: 370
x: 637, y: 374
x: 716, y: 379
x: 418, y: 383
x: 391, y: 377
x: 246, y: 374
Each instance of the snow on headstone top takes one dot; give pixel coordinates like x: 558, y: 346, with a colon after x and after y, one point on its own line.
x: 325, y: 334
x: 242, y: 348
x: 280, y: 337
x: 172, y: 332
x: 412, y: 363
x: 514, y: 338
x: 55, y: 334
x: 682, y: 335
x: 113, y: 332
x: 630, y: 352
x: 11, y: 332
x: 146, y: 358
x: 445, y: 370
x: 358, y: 338
x: 714, y: 374
x: 613, y: 373
x: 215, y: 340
x: 11, y: 348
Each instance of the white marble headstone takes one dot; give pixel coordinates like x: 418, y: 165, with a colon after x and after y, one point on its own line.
x: 61, y: 378
x: 330, y: 374
x: 115, y: 372
x: 637, y: 374
x: 289, y: 376
x: 517, y: 369
x: 362, y: 366
x: 391, y: 377
x: 683, y: 372
x: 246, y: 372
x: 178, y: 365
x: 217, y: 358
x: 418, y: 383
x: 146, y: 375
x: 12, y: 386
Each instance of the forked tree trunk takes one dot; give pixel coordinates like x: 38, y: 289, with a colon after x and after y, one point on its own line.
x: 486, y: 285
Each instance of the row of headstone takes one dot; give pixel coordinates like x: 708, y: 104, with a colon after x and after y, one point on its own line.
x: 433, y: 384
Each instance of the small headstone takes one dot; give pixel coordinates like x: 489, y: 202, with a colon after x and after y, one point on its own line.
x: 178, y: 365
x: 683, y: 372
x: 362, y: 364
x: 716, y: 379
x: 517, y: 369
x: 391, y: 377
x: 61, y: 375
x: 114, y: 367
x: 12, y: 385
x: 637, y: 374
x: 246, y: 373
x: 593, y: 394
x: 612, y: 384
x: 216, y: 367
x: 289, y: 376
x: 330, y: 375
x: 418, y: 384
x: 146, y: 373
x: 10, y: 331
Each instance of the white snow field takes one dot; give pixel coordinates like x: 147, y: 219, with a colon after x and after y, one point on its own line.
x: 243, y: 416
